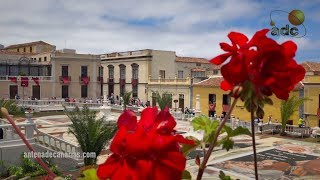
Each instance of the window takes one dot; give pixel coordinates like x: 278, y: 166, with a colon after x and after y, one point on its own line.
x: 65, y: 91
x: 162, y: 74
x: 212, y: 98
x: 100, y: 71
x: 30, y: 49
x: 215, y: 71
x: 34, y: 70
x: 226, y: 99
x: 24, y: 49
x: 39, y: 59
x: 198, y: 74
x: 180, y: 74
x: 135, y: 71
x: 111, y: 71
x: 13, y: 70
x: 84, y: 71
x: 122, y: 71
x: 134, y: 90
x: 45, y: 58
x: 84, y: 91
x: 3, y: 70
x: 198, y: 64
x: 64, y: 71
x: 24, y: 71
x: 18, y: 50
x: 122, y: 89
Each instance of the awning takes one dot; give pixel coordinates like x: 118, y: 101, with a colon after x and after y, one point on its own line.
x: 13, y: 79
x: 24, y: 81
x: 85, y: 80
x: 36, y: 80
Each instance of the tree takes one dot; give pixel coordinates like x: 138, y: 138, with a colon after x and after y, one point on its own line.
x: 126, y: 99
x: 92, y: 134
x: 11, y: 106
x: 287, y: 109
x: 163, y: 100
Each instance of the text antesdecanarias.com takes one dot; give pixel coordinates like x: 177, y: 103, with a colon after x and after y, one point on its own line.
x: 76, y: 155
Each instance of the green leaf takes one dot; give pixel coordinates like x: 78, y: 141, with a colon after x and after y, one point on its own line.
x: 200, y: 123
x: 90, y: 174
x: 187, y: 148
x: 268, y: 100
x: 227, y: 144
x: 260, y: 112
x: 239, y: 131
x: 186, y: 175
x: 223, y: 176
x: 227, y: 129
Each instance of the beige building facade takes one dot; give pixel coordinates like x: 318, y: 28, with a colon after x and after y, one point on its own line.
x: 64, y: 74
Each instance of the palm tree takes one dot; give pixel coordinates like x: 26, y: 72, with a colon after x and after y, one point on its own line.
x: 163, y: 100
x: 287, y: 109
x: 11, y: 106
x: 126, y: 99
x: 92, y: 134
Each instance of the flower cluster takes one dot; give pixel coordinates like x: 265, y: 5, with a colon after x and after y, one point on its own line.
x: 270, y: 67
x: 148, y: 149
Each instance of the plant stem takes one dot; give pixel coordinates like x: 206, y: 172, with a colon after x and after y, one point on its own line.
x: 254, y: 142
x: 213, y: 143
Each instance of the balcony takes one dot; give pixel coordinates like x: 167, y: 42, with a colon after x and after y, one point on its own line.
x: 65, y: 79
x: 41, y: 78
x: 84, y: 79
x: 128, y: 54
x: 170, y: 81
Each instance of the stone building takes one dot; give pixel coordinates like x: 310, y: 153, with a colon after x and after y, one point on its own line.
x: 43, y: 75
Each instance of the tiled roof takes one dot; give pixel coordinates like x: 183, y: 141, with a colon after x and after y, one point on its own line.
x: 216, y: 81
x: 192, y: 60
x: 210, y: 82
x: 198, y: 69
x: 311, y: 66
x: 27, y: 44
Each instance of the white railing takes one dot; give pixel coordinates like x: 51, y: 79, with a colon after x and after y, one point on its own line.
x: 55, y: 143
x: 10, y: 134
x: 41, y: 78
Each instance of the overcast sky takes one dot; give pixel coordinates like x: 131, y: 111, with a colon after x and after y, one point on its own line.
x: 189, y: 27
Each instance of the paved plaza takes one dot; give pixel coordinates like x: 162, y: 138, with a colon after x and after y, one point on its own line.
x: 278, y: 158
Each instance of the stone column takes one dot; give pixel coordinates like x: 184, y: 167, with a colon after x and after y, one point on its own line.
x: 29, y: 129
x: 197, y: 110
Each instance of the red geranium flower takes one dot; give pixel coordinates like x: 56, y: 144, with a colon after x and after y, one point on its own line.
x: 148, y: 149
x: 270, y: 67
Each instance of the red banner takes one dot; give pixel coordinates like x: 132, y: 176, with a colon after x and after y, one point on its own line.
x: 318, y: 113
x: 85, y: 80
x: 24, y: 81
x: 225, y: 108
x: 122, y: 82
x: 134, y: 82
x: 212, y: 107
x: 13, y: 79
x: 65, y: 80
x: 36, y: 80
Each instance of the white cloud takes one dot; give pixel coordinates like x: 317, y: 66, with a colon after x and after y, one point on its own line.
x: 191, y: 28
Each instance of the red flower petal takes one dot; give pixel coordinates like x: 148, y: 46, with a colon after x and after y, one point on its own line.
x: 127, y: 119
x: 108, y: 168
x: 148, y: 116
x: 238, y: 38
x: 226, y: 86
x: 165, y: 122
x: 118, y: 143
x: 290, y: 48
x: 220, y: 59
x: 227, y: 47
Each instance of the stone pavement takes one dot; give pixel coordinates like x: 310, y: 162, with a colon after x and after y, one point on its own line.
x: 277, y: 158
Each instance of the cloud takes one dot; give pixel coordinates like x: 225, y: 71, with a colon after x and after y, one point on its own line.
x: 191, y: 28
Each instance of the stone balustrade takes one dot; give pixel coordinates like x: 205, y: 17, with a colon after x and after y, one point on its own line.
x: 41, y: 78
